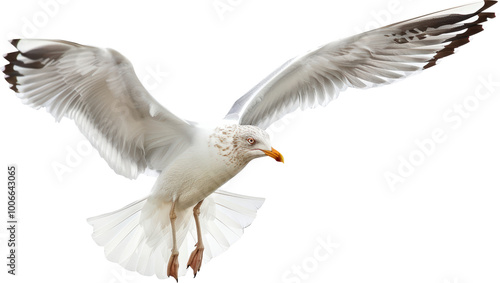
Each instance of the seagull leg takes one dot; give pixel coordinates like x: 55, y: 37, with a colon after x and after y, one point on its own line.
x: 173, y: 262
x: 197, y: 255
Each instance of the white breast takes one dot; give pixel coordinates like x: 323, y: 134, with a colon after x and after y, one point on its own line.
x: 197, y: 173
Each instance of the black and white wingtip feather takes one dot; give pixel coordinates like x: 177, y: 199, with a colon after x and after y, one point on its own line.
x: 33, y: 59
x: 471, y: 29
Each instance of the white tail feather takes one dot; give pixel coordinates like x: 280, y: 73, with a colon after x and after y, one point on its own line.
x: 138, y: 236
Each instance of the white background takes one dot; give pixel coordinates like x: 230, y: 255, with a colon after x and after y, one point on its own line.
x: 441, y: 225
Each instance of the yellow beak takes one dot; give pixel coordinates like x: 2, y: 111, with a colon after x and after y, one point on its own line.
x: 274, y: 154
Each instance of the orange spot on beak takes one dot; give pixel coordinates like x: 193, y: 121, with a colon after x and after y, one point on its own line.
x: 274, y: 154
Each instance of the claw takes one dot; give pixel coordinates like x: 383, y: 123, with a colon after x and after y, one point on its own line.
x: 196, y: 258
x: 173, y: 266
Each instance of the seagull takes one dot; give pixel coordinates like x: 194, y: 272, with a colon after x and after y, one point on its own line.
x: 98, y: 89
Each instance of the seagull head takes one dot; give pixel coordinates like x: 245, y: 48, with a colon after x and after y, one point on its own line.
x: 255, y: 142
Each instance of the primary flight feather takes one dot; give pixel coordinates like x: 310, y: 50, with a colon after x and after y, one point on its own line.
x: 98, y: 89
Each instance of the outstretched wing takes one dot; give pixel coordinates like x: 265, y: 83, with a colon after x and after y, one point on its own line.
x: 368, y: 59
x: 99, y: 90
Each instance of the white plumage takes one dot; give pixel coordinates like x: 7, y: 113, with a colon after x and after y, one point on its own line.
x: 99, y: 90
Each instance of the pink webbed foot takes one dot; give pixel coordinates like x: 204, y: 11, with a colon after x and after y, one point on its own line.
x: 196, y: 258
x: 173, y: 266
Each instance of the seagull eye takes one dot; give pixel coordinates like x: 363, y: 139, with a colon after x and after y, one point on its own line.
x: 250, y: 140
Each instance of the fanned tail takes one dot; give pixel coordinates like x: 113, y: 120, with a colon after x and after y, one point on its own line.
x: 223, y: 217
x: 138, y: 236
